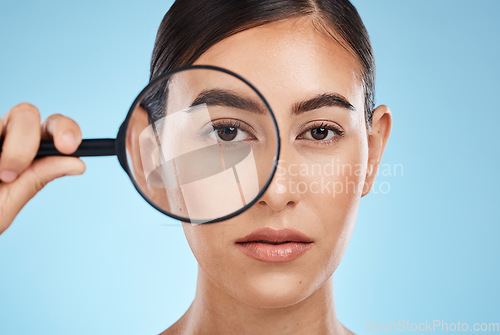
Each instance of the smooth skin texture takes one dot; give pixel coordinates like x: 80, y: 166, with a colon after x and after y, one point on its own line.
x: 290, y: 61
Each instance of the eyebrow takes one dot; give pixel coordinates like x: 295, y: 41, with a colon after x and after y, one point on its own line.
x: 220, y: 97
x: 217, y: 97
x: 322, y: 100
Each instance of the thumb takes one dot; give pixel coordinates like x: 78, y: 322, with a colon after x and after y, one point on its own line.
x: 16, y: 194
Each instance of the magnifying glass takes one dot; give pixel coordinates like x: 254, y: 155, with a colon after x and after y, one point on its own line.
x: 200, y: 144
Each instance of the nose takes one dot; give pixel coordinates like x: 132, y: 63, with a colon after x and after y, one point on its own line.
x: 281, y: 194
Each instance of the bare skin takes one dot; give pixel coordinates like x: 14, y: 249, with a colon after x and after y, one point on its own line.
x: 21, y: 177
x: 204, y: 314
x: 289, y: 61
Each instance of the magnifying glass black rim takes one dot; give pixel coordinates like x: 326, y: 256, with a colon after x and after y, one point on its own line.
x: 122, y: 153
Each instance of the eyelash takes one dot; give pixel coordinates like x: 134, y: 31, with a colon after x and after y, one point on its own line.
x: 339, y: 133
x: 218, y: 125
x: 223, y: 124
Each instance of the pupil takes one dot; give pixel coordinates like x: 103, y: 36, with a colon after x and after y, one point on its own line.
x: 228, y: 133
x: 319, y: 133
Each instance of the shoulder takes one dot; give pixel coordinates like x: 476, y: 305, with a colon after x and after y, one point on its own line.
x: 172, y: 330
x: 178, y: 328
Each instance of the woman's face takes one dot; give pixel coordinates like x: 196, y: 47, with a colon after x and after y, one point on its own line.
x: 322, y: 168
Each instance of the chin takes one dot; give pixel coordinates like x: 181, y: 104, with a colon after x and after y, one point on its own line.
x: 276, y: 289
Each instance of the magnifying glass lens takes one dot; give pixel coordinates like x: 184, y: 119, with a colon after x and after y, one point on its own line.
x: 201, y: 144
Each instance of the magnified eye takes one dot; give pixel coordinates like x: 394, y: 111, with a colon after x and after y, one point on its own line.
x: 230, y: 131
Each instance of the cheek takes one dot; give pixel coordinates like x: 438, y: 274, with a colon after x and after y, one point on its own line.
x: 326, y: 213
x: 212, y: 246
x: 220, y: 261
x: 205, y: 240
x: 335, y: 184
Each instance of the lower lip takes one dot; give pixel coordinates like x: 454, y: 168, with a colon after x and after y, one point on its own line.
x: 274, y: 253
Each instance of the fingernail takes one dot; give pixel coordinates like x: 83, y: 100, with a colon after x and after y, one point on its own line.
x: 7, y: 176
x: 69, y: 139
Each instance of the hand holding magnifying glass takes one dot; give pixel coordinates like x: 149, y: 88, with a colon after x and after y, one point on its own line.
x: 199, y: 143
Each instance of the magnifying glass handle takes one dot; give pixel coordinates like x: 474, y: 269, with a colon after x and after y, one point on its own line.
x: 88, y: 148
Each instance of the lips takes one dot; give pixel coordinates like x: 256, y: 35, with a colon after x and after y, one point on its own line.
x: 274, y: 246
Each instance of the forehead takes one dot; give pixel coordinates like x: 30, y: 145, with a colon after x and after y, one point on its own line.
x: 289, y: 60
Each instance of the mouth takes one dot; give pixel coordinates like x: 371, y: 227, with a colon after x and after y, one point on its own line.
x: 268, y: 242
x: 274, y: 246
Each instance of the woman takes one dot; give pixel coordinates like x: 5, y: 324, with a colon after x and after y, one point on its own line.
x: 313, y: 62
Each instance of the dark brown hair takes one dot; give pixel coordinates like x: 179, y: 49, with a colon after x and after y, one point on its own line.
x: 191, y: 27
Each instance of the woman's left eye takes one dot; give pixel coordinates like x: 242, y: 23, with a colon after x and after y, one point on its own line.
x: 322, y: 133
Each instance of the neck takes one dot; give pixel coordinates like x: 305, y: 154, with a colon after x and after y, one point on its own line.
x: 213, y: 311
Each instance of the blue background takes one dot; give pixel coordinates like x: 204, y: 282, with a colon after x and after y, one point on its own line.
x: 89, y: 256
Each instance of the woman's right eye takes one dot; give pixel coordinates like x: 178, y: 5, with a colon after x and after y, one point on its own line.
x: 229, y: 131
x: 230, y: 134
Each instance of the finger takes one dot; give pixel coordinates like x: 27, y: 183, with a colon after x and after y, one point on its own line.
x: 32, y: 180
x: 21, y: 132
x: 64, y: 131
